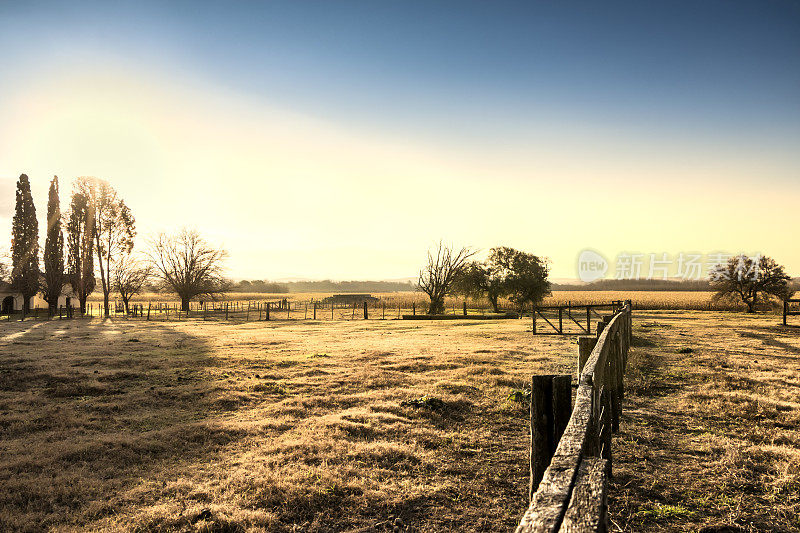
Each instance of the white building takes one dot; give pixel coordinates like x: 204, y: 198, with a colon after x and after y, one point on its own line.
x: 11, y: 300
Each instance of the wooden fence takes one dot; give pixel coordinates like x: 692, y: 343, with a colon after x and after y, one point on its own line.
x: 790, y: 310
x: 571, y: 453
x: 570, y: 319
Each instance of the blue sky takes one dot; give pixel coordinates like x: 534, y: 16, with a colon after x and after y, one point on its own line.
x: 655, y: 93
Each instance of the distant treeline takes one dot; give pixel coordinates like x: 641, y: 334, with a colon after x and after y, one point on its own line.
x: 636, y: 285
x: 323, y: 286
x: 403, y: 286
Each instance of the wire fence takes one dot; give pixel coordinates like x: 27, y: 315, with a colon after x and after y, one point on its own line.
x: 271, y: 309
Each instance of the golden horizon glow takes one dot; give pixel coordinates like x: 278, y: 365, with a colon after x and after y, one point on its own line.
x: 291, y: 195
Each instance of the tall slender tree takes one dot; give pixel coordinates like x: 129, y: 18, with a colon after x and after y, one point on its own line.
x: 80, y: 243
x: 25, y: 244
x: 54, y: 276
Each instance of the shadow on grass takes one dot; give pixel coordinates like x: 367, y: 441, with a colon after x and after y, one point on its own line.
x: 93, y: 411
x: 770, y: 340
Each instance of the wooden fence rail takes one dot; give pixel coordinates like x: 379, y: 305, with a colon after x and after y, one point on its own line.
x: 578, y: 317
x: 790, y: 310
x: 571, y: 495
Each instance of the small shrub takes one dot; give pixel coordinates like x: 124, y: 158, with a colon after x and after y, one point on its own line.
x: 425, y: 402
x: 520, y: 396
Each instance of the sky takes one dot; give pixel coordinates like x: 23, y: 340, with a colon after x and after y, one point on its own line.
x: 343, y: 139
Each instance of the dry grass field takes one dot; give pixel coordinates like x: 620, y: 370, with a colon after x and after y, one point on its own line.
x: 303, y: 425
x: 280, y: 426
x: 710, y: 434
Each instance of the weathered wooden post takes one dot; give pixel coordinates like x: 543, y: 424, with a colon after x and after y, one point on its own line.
x: 605, y: 427
x: 562, y: 407
x: 414, y: 308
x: 266, y: 311
x: 585, y: 347
x: 148, y: 311
x: 551, y: 408
x: 365, y: 310
x: 588, y: 319
x: 383, y: 310
x: 465, y: 308
x: 541, y: 390
x: 785, y: 311
x: 560, y: 320
x: 226, y: 310
x: 619, y: 374
x: 533, y: 316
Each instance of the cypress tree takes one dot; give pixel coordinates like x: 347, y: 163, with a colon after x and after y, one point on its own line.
x: 25, y: 244
x: 54, y: 277
x: 80, y: 261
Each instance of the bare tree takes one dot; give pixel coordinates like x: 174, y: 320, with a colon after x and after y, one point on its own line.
x: 437, y: 278
x: 750, y: 279
x: 130, y: 277
x: 186, y: 264
x: 5, y: 261
x: 114, y: 231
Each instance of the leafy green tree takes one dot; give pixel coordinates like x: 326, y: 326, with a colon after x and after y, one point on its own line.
x: 25, y: 244
x: 524, y: 275
x: 80, y: 245
x: 751, y: 280
x: 54, y: 276
x: 479, y: 279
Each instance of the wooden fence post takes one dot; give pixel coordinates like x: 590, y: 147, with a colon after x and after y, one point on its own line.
x: 226, y: 310
x: 585, y: 347
x: 533, y: 315
x: 541, y: 391
x: 562, y: 407
x: 315, y: 310
x: 266, y: 311
x: 551, y: 408
x: 413, y: 308
x: 365, y: 310
x: 560, y: 320
x: 465, y: 308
